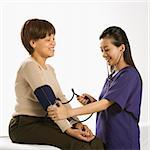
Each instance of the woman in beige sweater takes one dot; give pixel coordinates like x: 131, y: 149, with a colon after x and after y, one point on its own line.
x: 37, y: 88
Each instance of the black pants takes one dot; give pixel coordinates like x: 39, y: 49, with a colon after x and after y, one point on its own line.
x: 41, y: 130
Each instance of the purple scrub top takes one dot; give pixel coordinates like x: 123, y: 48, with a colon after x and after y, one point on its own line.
x: 117, y: 126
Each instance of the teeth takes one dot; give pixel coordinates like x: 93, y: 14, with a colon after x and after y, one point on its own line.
x: 51, y: 48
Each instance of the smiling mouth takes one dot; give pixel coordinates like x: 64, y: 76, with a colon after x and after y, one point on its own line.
x: 51, y: 49
x: 108, y: 59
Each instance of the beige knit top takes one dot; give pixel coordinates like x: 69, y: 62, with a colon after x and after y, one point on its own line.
x: 30, y: 76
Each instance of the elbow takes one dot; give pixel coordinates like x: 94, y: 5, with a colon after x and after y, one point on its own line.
x: 106, y: 104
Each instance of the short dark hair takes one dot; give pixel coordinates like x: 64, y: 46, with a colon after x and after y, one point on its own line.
x: 34, y: 29
x: 119, y: 37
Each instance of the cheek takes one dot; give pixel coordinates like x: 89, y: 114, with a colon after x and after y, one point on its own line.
x: 113, y: 57
x: 115, y: 53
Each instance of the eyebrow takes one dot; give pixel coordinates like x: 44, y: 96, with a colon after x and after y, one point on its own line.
x: 104, y: 47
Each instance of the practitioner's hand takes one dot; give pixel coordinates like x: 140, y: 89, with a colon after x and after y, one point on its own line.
x: 85, y: 99
x: 83, y: 127
x: 81, y: 135
x: 58, y: 112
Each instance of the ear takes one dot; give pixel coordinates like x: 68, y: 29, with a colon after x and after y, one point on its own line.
x: 122, y: 47
x: 32, y: 43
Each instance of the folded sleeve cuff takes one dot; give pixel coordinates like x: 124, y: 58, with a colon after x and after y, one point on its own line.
x: 72, y: 122
x: 63, y: 124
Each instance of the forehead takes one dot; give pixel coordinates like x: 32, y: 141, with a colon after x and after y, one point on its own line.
x: 105, y: 42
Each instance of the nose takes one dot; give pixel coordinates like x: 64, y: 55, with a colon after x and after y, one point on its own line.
x: 53, y: 43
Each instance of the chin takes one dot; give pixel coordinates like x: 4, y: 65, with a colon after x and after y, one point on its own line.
x: 108, y: 63
x: 51, y: 55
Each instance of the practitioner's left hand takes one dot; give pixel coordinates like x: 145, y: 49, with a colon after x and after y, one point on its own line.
x: 58, y: 112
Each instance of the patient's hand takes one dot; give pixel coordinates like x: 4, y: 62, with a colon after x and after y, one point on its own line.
x: 85, y: 99
x: 83, y: 127
x: 81, y: 135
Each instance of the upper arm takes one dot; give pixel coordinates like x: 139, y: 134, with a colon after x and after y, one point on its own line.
x: 32, y: 73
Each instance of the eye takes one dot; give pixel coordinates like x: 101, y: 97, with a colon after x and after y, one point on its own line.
x: 101, y: 49
x: 106, y: 50
x: 47, y: 39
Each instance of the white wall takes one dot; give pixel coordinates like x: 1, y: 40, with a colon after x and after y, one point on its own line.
x: 78, y: 61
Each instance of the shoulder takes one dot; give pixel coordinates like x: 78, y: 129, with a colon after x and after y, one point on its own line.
x: 29, y: 64
x: 130, y: 73
x: 50, y: 67
x: 29, y: 61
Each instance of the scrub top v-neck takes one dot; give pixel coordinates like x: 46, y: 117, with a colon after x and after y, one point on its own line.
x: 117, y: 126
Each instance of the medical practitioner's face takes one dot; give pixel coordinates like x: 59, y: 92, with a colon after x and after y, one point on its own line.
x: 45, y: 47
x: 110, y: 52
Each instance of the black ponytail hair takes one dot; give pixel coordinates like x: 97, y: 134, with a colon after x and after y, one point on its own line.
x: 119, y: 37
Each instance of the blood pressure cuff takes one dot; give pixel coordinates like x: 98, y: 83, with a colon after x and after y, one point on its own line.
x: 45, y: 96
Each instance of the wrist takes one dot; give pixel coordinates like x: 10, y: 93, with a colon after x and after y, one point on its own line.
x: 68, y: 131
x: 76, y: 125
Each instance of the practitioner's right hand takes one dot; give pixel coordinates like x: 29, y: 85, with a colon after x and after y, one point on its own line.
x: 85, y: 99
x: 81, y: 135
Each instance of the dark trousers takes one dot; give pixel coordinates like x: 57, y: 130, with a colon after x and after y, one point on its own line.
x: 42, y: 130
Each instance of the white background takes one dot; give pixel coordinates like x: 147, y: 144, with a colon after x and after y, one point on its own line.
x: 78, y: 61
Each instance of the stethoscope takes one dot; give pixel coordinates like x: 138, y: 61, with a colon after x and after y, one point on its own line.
x: 57, y: 104
x: 110, y: 75
x: 75, y: 94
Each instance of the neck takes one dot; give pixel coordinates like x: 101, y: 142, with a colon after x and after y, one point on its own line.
x: 121, y: 64
x: 39, y: 59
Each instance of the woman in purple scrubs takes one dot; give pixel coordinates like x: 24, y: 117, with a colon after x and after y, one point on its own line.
x: 118, y: 107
